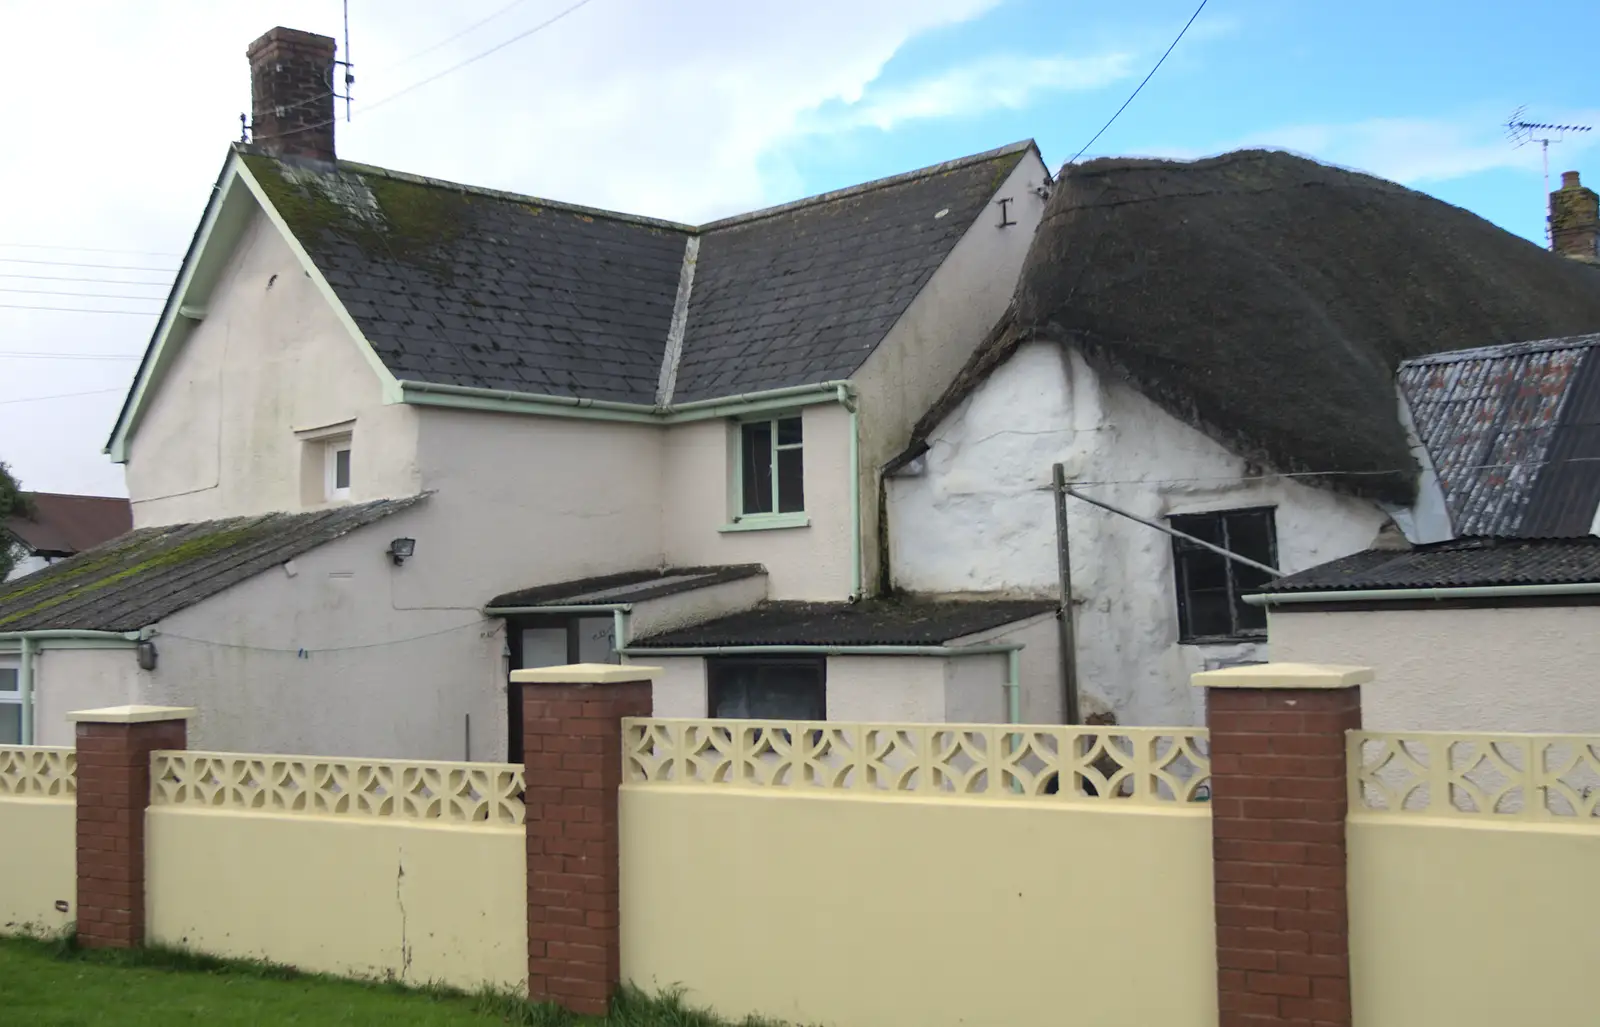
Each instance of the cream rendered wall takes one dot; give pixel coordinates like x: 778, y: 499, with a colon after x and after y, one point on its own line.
x: 376, y: 679
x: 979, y: 519
x: 270, y: 358
x: 906, y: 912
x: 812, y: 562
x: 1493, y: 670
x: 38, y: 865
x: 521, y: 501
x: 1040, y: 691
x: 378, y: 898
x: 1478, y: 922
x: 680, y: 689
x: 921, y: 355
x: 974, y: 690
x: 886, y: 689
x: 80, y: 679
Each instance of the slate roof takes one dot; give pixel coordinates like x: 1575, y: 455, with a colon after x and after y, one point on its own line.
x: 868, y: 622
x: 60, y: 525
x: 134, y: 581
x: 1267, y: 300
x: 1514, y: 434
x: 471, y: 287
x: 629, y: 587
x: 1460, y: 563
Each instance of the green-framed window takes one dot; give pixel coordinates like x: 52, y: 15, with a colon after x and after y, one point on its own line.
x: 771, y: 467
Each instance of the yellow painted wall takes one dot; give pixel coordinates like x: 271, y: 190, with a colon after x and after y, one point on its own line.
x: 867, y: 912
x: 38, y: 864
x: 351, y: 896
x: 1473, y: 924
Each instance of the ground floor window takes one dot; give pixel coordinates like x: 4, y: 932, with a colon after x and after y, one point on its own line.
x: 767, y: 688
x: 10, y: 706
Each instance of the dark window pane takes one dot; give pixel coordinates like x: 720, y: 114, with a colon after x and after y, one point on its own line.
x: 789, y: 431
x: 762, y: 690
x: 1250, y: 534
x: 1211, y: 586
x: 1205, y: 607
x: 755, y: 467
x: 1207, y: 527
x: 10, y: 723
x: 341, y: 469
x: 8, y: 679
x: 791, y: 481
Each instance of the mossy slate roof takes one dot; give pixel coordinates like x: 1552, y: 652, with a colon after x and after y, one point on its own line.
x: 135, y: 580
x: 868, y: 622
x: 470, y: 287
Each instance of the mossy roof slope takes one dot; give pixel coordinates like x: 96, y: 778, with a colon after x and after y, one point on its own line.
x: 1268, y: 300
x: 462, y: 286
x: 135, y: 580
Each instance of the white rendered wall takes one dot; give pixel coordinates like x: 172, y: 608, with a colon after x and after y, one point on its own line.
x: 979, y: 519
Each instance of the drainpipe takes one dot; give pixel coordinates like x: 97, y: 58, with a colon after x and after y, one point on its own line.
x: 619, y: 632
x: 855, y: 492
x: 1014, y: 703
x: 25, y: 683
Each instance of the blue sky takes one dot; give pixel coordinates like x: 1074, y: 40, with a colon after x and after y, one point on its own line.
x: 696, y: 109
x: 1418, y: 90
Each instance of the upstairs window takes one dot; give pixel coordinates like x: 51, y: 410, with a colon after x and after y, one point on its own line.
x: 771, y: 468
x: 337, y: 470
x: 1211, y: 587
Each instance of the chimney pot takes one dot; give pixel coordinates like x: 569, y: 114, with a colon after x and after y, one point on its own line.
x: 291, y: 93
x: 1569, y: 180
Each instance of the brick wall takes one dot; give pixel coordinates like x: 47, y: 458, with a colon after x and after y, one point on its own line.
x: 291, y: 93
x: 113, y: 791
x: 1278, y: 808
x: 572, y: 756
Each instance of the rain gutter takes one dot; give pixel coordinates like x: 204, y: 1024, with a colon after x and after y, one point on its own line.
x: 505, y: 401
x: 1369, y: 595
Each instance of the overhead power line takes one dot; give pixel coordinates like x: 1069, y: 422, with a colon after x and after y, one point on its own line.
x: 84, y: 295
x: 59, y: 395
x: 100, y: 281
x: 20, y: 355
x: 1181, y: 33
x: 452, y: 38
x: 80, y: 310
x: 73, y: 263
x: 83, y: 249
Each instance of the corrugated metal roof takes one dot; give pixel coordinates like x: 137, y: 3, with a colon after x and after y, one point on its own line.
x: 1504, y: 426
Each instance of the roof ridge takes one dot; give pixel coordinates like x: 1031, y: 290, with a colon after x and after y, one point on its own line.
x: 765, y: 212
x: 1021, y: 146
x: 1505, y: 349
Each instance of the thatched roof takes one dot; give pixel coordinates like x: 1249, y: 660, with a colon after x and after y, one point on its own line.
x: 1267, y: 300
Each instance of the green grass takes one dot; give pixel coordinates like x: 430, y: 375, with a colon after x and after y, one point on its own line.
x: 56, y: 984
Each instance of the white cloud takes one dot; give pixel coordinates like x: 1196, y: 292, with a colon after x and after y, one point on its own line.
x: 678, y: 110
x: 994, y: 83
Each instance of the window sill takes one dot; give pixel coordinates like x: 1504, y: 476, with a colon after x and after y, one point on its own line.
x: 768, y: 522
x: 1256, y: 639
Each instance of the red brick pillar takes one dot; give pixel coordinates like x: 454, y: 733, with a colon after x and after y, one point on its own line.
x: 114, y: 747
x: 1278, y: 837
x: 572, y: 758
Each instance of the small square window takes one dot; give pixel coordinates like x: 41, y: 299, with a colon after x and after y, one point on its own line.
x: 337, y: 470
x: 771, y: 467
x: 1211, y: 587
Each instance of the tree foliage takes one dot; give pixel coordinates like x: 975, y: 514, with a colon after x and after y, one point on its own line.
x: 12, y: 501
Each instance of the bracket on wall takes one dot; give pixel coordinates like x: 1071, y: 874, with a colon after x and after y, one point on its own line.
x: 1005, y: 212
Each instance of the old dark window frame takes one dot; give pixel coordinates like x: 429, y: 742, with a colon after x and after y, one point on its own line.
x: 1226, y: 528
x: 720, y: 671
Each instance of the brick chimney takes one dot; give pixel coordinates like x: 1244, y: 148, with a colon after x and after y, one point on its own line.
x: 1575, y: 220
x: 291, y: 93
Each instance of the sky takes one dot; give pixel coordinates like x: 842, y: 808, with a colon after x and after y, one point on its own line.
x: 116, y: 119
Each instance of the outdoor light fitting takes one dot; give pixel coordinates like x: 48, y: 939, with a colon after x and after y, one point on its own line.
x: 400, y: 549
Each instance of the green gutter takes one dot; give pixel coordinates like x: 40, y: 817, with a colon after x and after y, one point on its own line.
x: 829, y: 650
x: 1369, y: 595
x: 504, y: 611
x: 464, y: 397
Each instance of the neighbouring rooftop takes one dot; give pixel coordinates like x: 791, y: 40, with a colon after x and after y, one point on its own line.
x: 60, y: 525
x: 1460, y: 563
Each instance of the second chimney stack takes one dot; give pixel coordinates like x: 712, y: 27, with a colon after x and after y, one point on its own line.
x: 1575, y: 220
x: 291, y: 93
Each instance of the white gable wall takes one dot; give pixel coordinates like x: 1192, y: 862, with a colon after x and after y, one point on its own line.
x: 979, y: 519
x: 270, y: 358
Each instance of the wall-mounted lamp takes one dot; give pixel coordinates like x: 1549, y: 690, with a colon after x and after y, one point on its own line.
x: 400, y: 549
x: 145, y: 653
